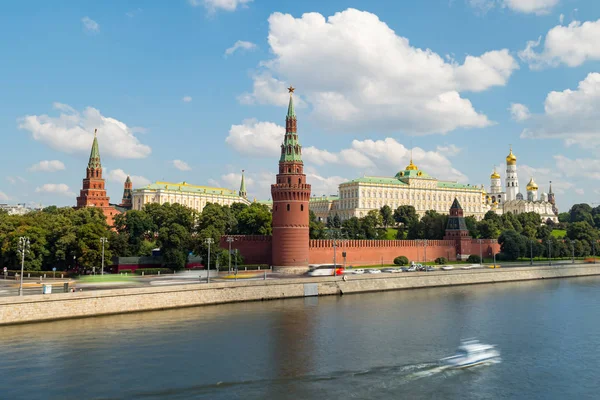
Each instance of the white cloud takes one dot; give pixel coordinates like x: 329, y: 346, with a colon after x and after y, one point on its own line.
x: 119, y: 176
x: 187, y: 99
x: 73, y: 132
x: 215, y: 5
x: 14, y: 179
x: 181, y: 165
x: 450, y: 150
x: 538, y: 7
x: 4, y: 197
x: 519, y: 112
x: 386, y: 157
x: 543, y: 176
x: 90, y: 25
x: 321, y: 185
x: 358, y: 74
x: 256, y: 138
x: 580, y: 191
x: 571, y: 45
x: 258, y: 184
x: 48, y: 166
x: 579, y: 167
x: 571, y: 115
x: 240, y: 44
x: 55, y: 188
x: 561, y: 18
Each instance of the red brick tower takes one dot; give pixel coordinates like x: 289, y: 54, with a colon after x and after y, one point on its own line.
x: 290, y: 196
x: 457, y: 230
x: 93, y: 193
x: 127, y: 193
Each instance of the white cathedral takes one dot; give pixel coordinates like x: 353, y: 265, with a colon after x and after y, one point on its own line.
x: 511, y: 200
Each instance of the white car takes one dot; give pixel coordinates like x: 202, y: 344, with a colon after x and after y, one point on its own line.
x: 359, y: 271
x: 412, y: 268
x: 325, y: 270
x: 447, y: 267
x: 373, y: 271
x: 391, y: 270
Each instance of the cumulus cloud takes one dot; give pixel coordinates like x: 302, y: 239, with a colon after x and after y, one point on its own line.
x: 580, y: 191
x: 119, y: 176
x: 258, y: 184
x: 73, y: 132
x: 321, y: 185
x: 571, y: 115
x: 55, y: 188
x: 450, y: 150
x: 181, y: 165
x: 538, y: 7
x: 187, y: 99
x: 519, y: 112
x: 256, y: 138
x: 385, y: 156
x: 48, y: 166
x: 571, y: 45
x: 215, y: 5
x: 89, y: 25
x: 587, y: 167
x: 240, y: 45
x: 543, y: 176
x: 357, y: 73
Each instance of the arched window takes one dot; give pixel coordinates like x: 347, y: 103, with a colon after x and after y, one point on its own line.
x: 289, y: 170
x: 288, y: 207
x: 299, y: 181
x: 301, y: 207
x: 289, y: 181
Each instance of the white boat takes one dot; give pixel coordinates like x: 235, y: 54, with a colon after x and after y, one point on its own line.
x: 471, y: 353
x: 447, y: 267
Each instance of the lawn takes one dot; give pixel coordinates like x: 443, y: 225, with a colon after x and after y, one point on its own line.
x: 558, y: 233
x: 390, y: 234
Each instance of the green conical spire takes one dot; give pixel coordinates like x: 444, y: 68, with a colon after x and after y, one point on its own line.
x: 243, y: 186
x: 291, y: 150
x: 94, y: 161
x: 128, y: 180
x: 291, y: 113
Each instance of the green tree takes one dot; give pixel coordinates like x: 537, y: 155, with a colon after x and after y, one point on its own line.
x: 255, y: 220
x: 370, y: 225
x: 512, y: 245
x: 543, y: 231
x: 387, y: 216
x: 472, y: 226
x: 406, y: 215
x: 564, y: 217
x: 488, y: 229
x: 351, y: 228
x: 316, y: 227
x: 581, y: 213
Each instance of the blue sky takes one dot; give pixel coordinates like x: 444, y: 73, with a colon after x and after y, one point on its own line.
x: 174, y: 98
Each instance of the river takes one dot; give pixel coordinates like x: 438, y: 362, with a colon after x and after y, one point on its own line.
x: 367, y: 346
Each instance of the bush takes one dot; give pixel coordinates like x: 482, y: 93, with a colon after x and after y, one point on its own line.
x: 401, y: 260
x: 125, y: 271
x: 441, y: 260
x: 474, y: 258
x: 153, y: 271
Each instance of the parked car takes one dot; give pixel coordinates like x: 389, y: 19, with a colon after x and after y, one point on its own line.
x: 412, y: 268
x: 359, y: 271
x: 390, y: 270
x: 430, y: 268
x: 373, y: 271
x: 447, y: 267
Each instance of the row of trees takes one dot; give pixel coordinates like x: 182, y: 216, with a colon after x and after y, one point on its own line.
x: 66, y: 238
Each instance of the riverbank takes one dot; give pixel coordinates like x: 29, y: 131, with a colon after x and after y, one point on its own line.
x: 37, y: 308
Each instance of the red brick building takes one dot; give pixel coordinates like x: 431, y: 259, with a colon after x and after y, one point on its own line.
x: 93, y: 192
x: 290, y: 195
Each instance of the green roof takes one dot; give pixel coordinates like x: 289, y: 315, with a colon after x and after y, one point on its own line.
x: 327, y: 198
x: 94, y: 161
x: 418, y: 174
x: 242, y: 192
x: 291, y: 113
x: 187, y: 188
x: 291, y: 150
x: 378, y: 179
x: 456, y: 185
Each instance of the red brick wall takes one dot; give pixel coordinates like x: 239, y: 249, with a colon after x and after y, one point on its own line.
x: 255, y: 249
x: 372, y: 252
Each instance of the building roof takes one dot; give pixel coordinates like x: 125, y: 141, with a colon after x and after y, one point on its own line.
x: 94, y: 161
x: 511, y: 159
x: 455, y: 185
x: 324, y: 198
x: 378, y: 179
x: 291, y: 150
x: 413, y: 173
x: 243, y: 192
x: 187, y: 188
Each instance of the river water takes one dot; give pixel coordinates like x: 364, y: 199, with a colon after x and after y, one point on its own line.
x: 368, y: 346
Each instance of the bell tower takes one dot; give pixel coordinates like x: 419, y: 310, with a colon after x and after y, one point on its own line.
x: 290, y: 195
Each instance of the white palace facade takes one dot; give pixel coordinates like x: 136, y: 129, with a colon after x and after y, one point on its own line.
x: 415, y: 187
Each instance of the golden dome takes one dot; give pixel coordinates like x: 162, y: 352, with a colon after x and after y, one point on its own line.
x: 511, y: 159
x: 411, y: 166
x: 532, y: 185
x: 495, y: 175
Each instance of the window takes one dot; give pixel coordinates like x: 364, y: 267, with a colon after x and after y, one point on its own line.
x: 288, y: 207
x: 301, y: 207
x: 299, y: 181
x: 289, y: 181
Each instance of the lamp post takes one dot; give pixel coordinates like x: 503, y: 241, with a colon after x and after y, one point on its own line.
x: 425, y: 250
x: 229, y: 240
x: 480, y: 254
x: 208, y: 241
x: 23, y: 248
x: 594, y: 250
x: 103, y: 240
x: 530, y: 251
x: 334, y: 254
x: 550, y: 252
x: 573, y: 252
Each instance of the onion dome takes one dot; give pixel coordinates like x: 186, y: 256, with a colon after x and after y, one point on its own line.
x: 411, y: 166
x: 495, y: 175
x: 511, y: 159
x: 532, y: 185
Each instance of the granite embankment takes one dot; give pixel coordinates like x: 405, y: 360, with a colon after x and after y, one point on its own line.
x: 36, y: 308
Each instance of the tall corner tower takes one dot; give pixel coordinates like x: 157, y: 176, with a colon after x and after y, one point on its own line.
x: 126, y: 201
x: 457, y: 231
x: 512, y: 180
x: 242, y: 192
x: 290, y: 195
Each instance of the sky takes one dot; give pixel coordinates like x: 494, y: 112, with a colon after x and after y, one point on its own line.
x: 195, y: 91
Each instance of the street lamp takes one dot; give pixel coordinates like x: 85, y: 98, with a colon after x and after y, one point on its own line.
x: 334, y: 253
x: 229, y: 240
x: 103, y: 240
x: 531, y: 251
x: 573, y: 252
x: 480, y: 254
x: 550, y: 252
x: 23, y: 248
x: 594, y: 250
x: 208, y: 241
x: 425, y: 250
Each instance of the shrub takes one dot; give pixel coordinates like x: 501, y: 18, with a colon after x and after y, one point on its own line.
x: 474, y: 258
x: 153, y: 271
x: 441, y: 260
x: 401, y: 260
x: 125, y: 271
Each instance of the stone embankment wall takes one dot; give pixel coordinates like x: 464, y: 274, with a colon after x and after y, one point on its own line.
x: 14, y: 310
